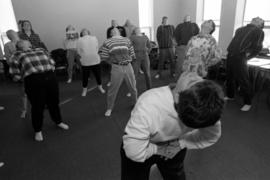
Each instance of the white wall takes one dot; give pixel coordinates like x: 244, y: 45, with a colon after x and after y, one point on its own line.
x: 49, y: 18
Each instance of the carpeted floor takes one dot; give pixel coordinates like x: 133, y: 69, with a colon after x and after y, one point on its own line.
x: 90, y: 149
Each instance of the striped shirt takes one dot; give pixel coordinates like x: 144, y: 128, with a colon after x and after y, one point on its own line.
x: 165, y: 36
x: 118, y: 49
x: 34, y: 61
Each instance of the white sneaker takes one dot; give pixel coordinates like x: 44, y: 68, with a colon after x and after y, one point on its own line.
x: 108, y: 112
x: 101, y: 89
x: 23, y: 114
x: 84, y: 92
x: 109, y: 84
x: 246, y: 108
x: 128, y: 94
x: 1, y: 108
x: 228, y: 99
x: 1, y: 164
x: 63, y: 126
x: 141, y: 71
x: 69, y: 81
x: 157, y: 76
x: 38, y: 136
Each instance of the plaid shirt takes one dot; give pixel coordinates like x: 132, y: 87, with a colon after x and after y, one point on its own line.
x: 34, y: 61
x: 33, y: 39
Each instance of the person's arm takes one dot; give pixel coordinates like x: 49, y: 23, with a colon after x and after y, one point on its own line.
x: 104, y: 52
x: 7, y: 51
x: 40, y: 43
x: 201, y: 138
x: 257, y: 43
x: 159, y: 34
x: 14, y: 67
x: 131, y: 50
x: 196, y: 29
x: 138, y: 131
x: 215, y: 54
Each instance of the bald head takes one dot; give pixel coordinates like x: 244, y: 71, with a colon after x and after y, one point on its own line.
x: 187, y: 18
x: 257, y: 21
x: 115, y: 32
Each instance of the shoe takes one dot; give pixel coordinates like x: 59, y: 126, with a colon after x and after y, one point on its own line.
x: 1, y: 108
x: 228, y: 98
x: 141, y: 71
x: 1, y: 164
x: 63, y: 126
x: 23, y: 114
x: 38, y: 136
x: 101, y: 89
x: 157, y: 76
x: 84, y: 92
x: 69, y: 81
x: 246, y: 108
x: 109, y: 84
x: 128, y: 94
x: 108, y: 113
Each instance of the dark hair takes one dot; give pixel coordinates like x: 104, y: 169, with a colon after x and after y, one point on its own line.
x: 201, y: 105
x: 27, y: 21
x: 81, y: 33
x: 213, y: 26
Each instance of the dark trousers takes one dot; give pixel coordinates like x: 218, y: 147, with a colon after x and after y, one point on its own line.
x: 142, y: 61
x: 42, y: 90
x: 237, y: 73
x: 86, y: 72
x: 164, y: 55
x: 172, y: 169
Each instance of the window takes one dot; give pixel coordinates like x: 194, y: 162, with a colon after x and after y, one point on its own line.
x: 212, y: 10
x: 7, y: 20
x: 253, y: 8
x: 146, y: 17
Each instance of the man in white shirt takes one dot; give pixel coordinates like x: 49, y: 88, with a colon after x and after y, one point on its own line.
x: 168, y: 120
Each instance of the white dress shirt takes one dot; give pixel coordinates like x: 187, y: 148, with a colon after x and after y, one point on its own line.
x: 154, y: 120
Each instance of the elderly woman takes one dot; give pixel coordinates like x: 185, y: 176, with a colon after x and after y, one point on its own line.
x: 87, y: 48
x: 29, y: 35
x: 202, y: 51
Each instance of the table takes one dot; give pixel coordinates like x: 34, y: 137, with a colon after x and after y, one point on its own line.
x: 259, y: 69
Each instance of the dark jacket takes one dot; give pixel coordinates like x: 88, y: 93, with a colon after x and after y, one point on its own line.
x: 165, y: 36
x: 247, y: 40
x: 184, y: 32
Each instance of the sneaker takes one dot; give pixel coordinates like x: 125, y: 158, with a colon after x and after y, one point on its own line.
x: 128, y: 94
x: 108, y: 113
x: 63, y: 126
x: 84, y: 92
x: 38, y: 136
x: 109, y: 84
x: 1, y: 108
x: 69, y: 81
x: 23, y: 114
x: 157, y: 76
x: 141, y: 71
x: 226, y: 98
x: 246, y: 108
x: 101, y: 89
x: 1, y: 164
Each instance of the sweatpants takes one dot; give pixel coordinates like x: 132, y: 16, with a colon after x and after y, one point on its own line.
x: 164, y: 55
x: 86, y: 72
x: 118, y: 74
x: 42, y: 90
x: 237, y: 73
x: 171, y: 169
x: 142, y: 61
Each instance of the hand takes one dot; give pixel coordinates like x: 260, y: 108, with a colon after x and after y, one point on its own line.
x: 168, y: 151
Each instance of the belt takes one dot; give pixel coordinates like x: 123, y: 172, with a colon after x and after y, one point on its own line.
x: 122, y: 63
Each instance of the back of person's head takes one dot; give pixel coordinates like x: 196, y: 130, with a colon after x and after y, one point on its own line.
x: 187, y: 18
x: 23, y: 45
x: 70, y: 28
x: 12, y: 35
x: 164, y: 20
x: 257, y: 21
x: 84, y: 32
x: 115, y: 32
x: 201, y: 105
x: 114, y: 23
